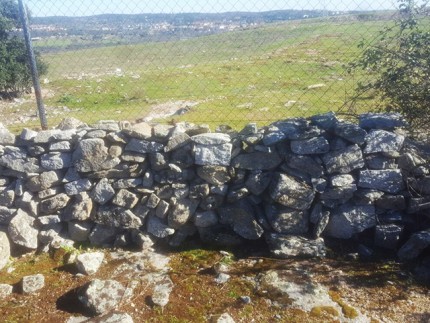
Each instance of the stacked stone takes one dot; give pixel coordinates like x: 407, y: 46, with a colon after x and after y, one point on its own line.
x: 292, y: 182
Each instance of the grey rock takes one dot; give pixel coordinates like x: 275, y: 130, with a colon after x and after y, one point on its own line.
x: 6, y: 213
x: 339, y: 193
x: 286, y: 190
x: 205, y: 219
x: 133, y: 157
x: 88, y: 263
x: 213, y: 154
x: 388, y: 235
x: 27, y: 134
x: 378, y: 161
x: 5, y: 290
x: 286, y: 246
x: 70, y: 123
x: 351, y: 132
x: 209, y: 139
x: 54, y: 203
x: 103, y: 192
x: 157, y: 228
x: 162, y: 131
x: 367, y: 196
x: 77, y: 187
x: 286, y: 220
x: 321, y: 224
x: 343, y: 161
x: 178, y: 141
x: 98, y: 133
x: 341, y: 180
x: 410, y: 160
x: 50, y: 192
x: 118, y: 217
x: 240, y: 216
x: 296, y: 129
x: 273, y: 136
x: 43, y: 181
x: 143, y: 146
x: 418, y: 204
x: 102, y: 235
x: 153, y: 201
x: 257, y: 161
x: 222, y: 278
x: 21, y: 230
x: 181, y: 212
x: 117, y: 137
x: 381, y: 121
x: 414, y: 246
x: 381, y: 141
x: 80, y: 209
x: 4, y: 250
x: 108, y: 125
x: 316, y: 145
x: 79, y: 231
x: 162, y: 209
x: 391, y: 202
x: 421, y: 185
x: 257, y: 182
x: 225, y: 318
x: 307, y: 164
x: 101, y: 296
x: 62, y: 146
x: 127, y: 183
x: 21, y: 165
x: 390, y: 181
x: 140, y: 130
x: 56, y: 160
x: 319, y: 184
x: 48, y: 136
x: 7, y: 198
x: 6, y: 137
x: 27, y: 203
x: 161, y: 293
x: 71, y: 175
x: 125, y: 199
x: 216, y: 175
x: 48, y: 220
x: 348, y: 220
x: 92, y: 155
x: 326, y: 121
x: 31, y: 284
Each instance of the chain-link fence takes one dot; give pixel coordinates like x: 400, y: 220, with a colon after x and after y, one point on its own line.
x: 216, y: 62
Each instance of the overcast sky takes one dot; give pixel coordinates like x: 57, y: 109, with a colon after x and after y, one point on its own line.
x: 92, y: 7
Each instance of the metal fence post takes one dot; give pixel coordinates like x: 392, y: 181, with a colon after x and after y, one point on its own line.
x: 33, y: 65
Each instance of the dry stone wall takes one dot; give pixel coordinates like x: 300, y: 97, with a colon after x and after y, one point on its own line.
x: 291, y: 185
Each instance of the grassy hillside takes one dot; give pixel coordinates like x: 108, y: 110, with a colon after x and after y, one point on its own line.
x: 260, y: 74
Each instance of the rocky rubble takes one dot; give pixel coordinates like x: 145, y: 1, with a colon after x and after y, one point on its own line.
x: 293, y: 183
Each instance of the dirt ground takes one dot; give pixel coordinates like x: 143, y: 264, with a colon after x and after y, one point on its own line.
x: 381, y: 291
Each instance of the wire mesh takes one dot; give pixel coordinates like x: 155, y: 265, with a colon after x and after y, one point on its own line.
x: 215, y: 62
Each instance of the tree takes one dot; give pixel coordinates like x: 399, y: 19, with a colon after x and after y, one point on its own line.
x: 398, y: 64
x: 15, y: 75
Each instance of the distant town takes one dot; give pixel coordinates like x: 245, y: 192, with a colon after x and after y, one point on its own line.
x: 112, y: 29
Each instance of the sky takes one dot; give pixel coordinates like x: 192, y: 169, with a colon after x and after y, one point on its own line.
x: 93, y: 7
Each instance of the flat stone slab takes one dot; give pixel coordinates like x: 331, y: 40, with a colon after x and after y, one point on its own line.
x: 286, y: 246
x: 390, y: 181
x: 381, y: 141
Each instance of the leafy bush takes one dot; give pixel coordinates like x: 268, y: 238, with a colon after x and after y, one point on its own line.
x: 15, y: 75
x: 398, y: 63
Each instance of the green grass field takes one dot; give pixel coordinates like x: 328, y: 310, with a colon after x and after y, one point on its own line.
x: 260, y: 75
